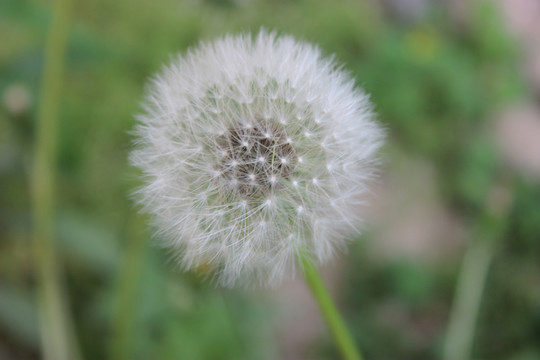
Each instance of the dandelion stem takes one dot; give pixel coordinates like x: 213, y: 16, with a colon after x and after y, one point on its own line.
x: 464, y: 313
x: 474, y: 272
x: 128, y: 286
x: 57, y: 337
x: 329, y: 311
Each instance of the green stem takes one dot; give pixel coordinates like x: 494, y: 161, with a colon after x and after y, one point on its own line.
x: 128, y: 286
x: 55, y: 324
x: 464, y: 314
x: 329, y: 311
x: 490, y: 227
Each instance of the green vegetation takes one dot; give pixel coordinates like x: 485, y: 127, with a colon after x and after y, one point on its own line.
x: 435, y: 84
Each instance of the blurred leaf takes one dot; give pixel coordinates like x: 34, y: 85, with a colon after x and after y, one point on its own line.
x: 476, y: 172
x: 82, y: 239
x: 530, y: 354
x: 412, y: 282
x: 18, y: 315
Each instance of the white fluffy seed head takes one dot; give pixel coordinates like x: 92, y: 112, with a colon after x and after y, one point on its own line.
x: 254, y: 149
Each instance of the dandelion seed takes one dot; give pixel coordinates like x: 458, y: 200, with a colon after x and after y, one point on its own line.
x: 254, y: 153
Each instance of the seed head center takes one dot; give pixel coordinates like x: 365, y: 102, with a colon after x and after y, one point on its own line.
x: 255, y: 159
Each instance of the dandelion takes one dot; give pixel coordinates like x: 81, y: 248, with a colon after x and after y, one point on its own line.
x: 255, y: 150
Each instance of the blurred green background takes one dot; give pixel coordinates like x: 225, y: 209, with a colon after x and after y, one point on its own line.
x: 455, y: 85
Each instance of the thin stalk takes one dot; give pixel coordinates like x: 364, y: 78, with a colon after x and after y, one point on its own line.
x: 464, y: 314
x: 55, y: 324
x: 328, y: 309
x: 128, y: 287
x: 490, y: 227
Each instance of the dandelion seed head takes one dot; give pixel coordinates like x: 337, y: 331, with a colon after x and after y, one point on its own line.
x: 253, y: 149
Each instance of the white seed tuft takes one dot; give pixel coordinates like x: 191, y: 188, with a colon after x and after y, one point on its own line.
x: 252, y: 149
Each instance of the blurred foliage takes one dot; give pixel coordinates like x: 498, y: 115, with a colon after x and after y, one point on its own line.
x: 435, y: 83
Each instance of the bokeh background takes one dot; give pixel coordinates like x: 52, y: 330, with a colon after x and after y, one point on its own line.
x: 457, y: 86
